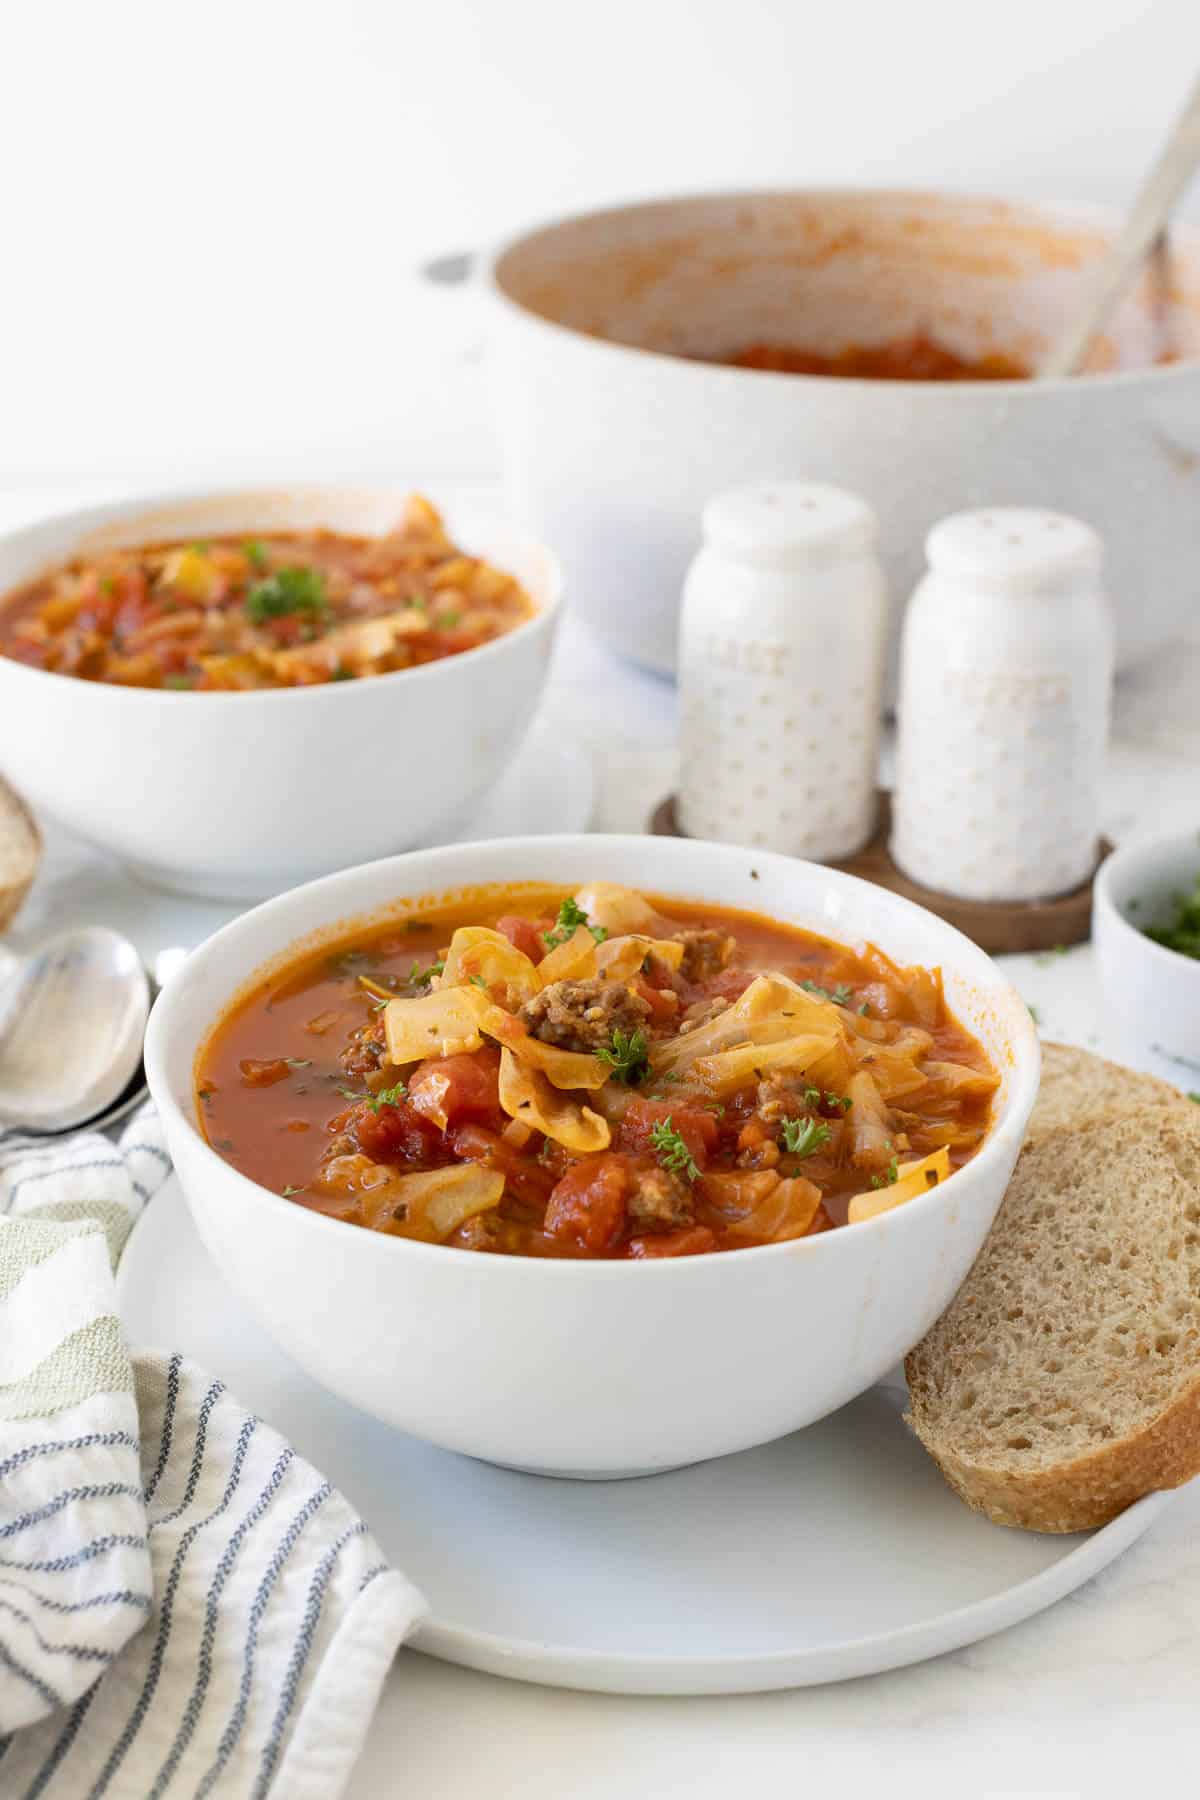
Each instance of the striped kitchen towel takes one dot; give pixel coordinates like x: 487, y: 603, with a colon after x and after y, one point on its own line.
x: 186, y: 1606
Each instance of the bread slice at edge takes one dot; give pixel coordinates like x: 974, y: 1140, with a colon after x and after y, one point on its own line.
x: 20, y: 853
x: 1092, y: 1486
x: 1079, y: 1087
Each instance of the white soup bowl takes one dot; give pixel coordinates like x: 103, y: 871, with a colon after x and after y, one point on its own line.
x: 599, y: 1368
x: 1152, y: 993
x: 237, y: 795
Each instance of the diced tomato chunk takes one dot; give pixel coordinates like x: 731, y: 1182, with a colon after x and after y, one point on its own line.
x: 695, y: 1125
x: 663, y: 1002
x: 459, y: 1088
x: 522, y: 934
x: 587, y: 1208
x: 692, y: 1240
x: 394, y: 1133
x: 525, y: 1176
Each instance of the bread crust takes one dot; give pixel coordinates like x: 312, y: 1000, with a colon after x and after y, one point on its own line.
x: 13, y: 891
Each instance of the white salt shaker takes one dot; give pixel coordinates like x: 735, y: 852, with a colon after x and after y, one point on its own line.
x: 781, y: 649
x: 1005, y: 692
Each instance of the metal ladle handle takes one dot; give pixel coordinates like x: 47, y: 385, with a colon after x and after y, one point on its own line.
x: 1167, y: 179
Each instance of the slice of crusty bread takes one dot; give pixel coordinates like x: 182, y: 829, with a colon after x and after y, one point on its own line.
x: 1080, y: 1089
x: 20, y: 853
x: 1063, y: 1382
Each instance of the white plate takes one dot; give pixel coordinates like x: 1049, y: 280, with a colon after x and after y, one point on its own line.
x: 836, y: 1552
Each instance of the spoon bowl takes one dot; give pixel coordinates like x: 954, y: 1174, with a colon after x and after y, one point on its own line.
x: 72, y: 1020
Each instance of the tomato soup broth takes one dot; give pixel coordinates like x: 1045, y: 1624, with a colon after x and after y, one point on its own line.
x: 598, y: 1074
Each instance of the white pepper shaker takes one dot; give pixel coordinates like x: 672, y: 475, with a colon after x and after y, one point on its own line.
x: 1005, y: 693
x: 781, y: 650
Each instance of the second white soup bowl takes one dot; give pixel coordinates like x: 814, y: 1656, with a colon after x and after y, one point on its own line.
x: 241, y: 795
x: 592, y: 1368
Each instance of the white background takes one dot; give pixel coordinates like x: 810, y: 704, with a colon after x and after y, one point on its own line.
x: 212, y: 211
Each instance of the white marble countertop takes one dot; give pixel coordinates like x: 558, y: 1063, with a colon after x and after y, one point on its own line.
x: 1093, y: 1696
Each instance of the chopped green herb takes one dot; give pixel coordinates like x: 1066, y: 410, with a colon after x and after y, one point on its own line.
x: 672, y: 1151
x: 201, y: 547
x: 255, y: 554
x: 1192, y: 1095
x: 626, y: 1055
x: 802, y: 1137
x: 387, y: 1096
x: 285, y: 592
x: 349, y: 1093
x: 891, y: 1175
x: 1180, y: 933
x: 838, y: 996
x: 479, y: 982
x: 298, y: 1062
x: 418, y: 977
x: 108, y: 586
x: 448, y: 620
x: 289, y: 1190
x: 179, y: 681
x: 570, y: 918
x: 341, y: 673
x: 205, y: 1094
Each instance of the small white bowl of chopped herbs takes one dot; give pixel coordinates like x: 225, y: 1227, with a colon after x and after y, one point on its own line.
x: 1146, y: 927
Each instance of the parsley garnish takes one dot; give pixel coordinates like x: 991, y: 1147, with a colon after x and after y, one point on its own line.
x: 626, y: 1055
x: 422, y: 977
x: 802, y: 1137
x: 570, y: 918
x: 448, y: 620
x: 479, y: 982
x: 289, y: 1190
x: 178, y: 681
x: 255, y: 554
x: 388, y: 1096
x: 672, y: 1150
x: 285, y: 592
x: 813, y: 1097
x: 341, y: 673
x: 838, y: 996
x: 298, y: 1062
x: 1182, y: 933
x: 886, y: 1180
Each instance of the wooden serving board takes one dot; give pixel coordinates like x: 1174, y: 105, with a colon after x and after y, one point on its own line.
x: 1001, y: 927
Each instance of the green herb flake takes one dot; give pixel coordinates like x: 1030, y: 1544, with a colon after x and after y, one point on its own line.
x: 448, y: 621
x: 286, y: 592
x: 672, y: 1151
x: 418, y: 977
x: 570, y: 918
x: 803, y: 1137
x: 179, y: 681
x: 1181, y: 932
x: 388, y: 1096
x: 255, y: 554
x: 891, y: 1175
x: 838, y: 996
x: 289, y: 1190
x: 627, y: 1055
x: 342, y: 673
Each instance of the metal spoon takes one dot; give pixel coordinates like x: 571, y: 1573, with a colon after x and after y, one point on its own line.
x: 1171, y: 173
x: 72, y: 1020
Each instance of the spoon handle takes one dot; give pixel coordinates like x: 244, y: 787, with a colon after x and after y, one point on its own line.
x: 1167, y: 179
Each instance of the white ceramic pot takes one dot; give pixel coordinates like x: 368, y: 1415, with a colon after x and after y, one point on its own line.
x: 613, y: 440
x: 595, y: 1368
x: 240, y: 795
x: 1151, y: 994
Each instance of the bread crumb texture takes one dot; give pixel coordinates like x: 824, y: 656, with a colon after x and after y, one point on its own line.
x: 1063, y: 1383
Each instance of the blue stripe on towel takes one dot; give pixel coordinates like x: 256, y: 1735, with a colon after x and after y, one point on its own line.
x: 81, y: 1652
x: 143, y: 1602
x: 110, y: 1490
x: 70, y: 1732
x: 191, y: 1712
x: 237, y: 1719
x: 57, y: 1172
x: 299, y: 1656
x: 168, y: 1425
x: 166, y: 1611
x: 42, y: 1688
x: 58, y: 1565
x: 92, y: 1440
